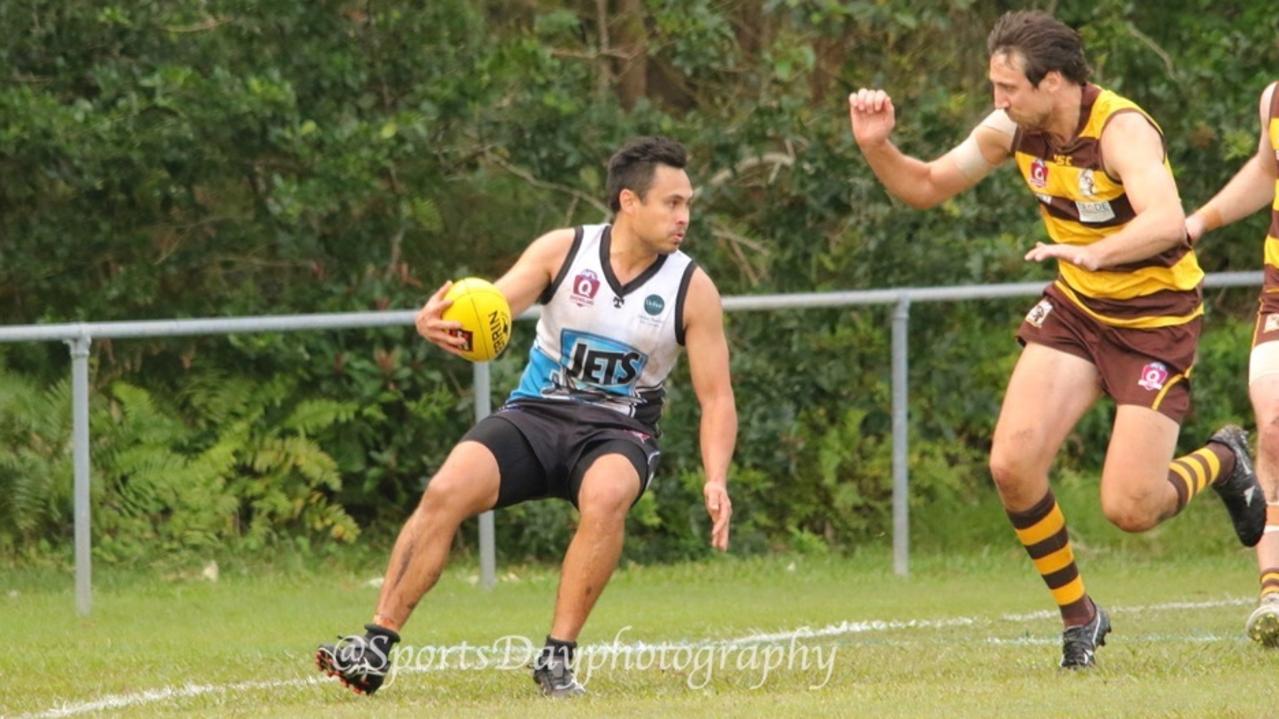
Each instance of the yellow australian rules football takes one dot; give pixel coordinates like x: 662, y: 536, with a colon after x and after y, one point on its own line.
x: 481, y: 308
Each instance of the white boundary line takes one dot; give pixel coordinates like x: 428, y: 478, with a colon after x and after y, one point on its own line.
x: 186, y: 691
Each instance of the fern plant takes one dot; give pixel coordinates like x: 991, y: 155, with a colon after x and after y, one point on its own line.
x: 35, y: 462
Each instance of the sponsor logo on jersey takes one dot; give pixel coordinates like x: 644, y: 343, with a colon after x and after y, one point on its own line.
x: 600, y: 363
x: 654, y: 305
x: 1094, y: 212
x: 585, y: 285
x: 1039, y: 173
x: 1153, y: 376
x: 1039, y: 313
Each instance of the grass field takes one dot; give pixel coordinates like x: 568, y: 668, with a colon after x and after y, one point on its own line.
x: 960, y: 637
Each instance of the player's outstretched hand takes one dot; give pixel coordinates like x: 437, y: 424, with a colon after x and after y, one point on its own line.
x: 720, y: 508
x: 1078, y: 256
x: 431, y: 324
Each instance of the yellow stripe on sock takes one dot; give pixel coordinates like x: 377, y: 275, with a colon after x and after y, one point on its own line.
x: 1184, y: 473
x: 1044, y: 528
x: 1214, y: 462
x: 1270, y: 575
x: 1203, y: 472
x: 1071, y: 592
x: 1059, y: 559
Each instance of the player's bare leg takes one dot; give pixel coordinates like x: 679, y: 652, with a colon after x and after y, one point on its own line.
x: 608, y: 489
x: 1047, y: 394
x: 1135, y: 492
x: 1263, y: 623
x: 466, y: 485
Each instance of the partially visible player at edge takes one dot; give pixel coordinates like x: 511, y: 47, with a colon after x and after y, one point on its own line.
x: 618, y: 302
x: 1121, y: 319
x: 1255, y: 186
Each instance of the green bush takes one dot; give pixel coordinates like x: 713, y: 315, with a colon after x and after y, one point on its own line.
x: 180, y: 159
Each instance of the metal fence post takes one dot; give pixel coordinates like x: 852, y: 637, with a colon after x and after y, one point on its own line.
x: 488, y: 550
x: 80, y: 456
x: 901, y: 429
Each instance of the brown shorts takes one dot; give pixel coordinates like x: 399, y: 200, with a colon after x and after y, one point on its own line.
x: 1267, y: 327
x: 1145, y: 367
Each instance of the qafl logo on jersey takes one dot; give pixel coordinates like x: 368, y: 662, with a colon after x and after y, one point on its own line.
x: 1153, y: 376
x: 1039, y: 173
x: 1087, y: 184
x: 585, y: 285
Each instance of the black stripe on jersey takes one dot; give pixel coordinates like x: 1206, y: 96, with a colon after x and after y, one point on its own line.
x: 649, y: 411
x: 679, y: 301
x: 619, y: 289
x: 549, y: 292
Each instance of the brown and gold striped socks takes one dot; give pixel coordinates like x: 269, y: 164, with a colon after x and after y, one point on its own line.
x: 1269, y: 575
x: 1191, y: 474
x: 1042, y: 531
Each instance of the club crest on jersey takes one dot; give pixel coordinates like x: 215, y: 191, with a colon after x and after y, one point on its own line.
x: 1272, y: 323
x: 1037, y: 314
x: 1153, y: 376
x: 1039, y: 173
x: 585, y: 285
x: 1087, y: 184
x: 599, y: 362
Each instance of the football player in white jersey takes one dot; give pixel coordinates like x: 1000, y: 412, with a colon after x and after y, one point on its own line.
x: 618, y: 301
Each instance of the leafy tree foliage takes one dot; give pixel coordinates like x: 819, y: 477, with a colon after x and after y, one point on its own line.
x: 224, y: 157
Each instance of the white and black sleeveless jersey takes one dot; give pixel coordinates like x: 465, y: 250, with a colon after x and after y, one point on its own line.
x: 603, y: 343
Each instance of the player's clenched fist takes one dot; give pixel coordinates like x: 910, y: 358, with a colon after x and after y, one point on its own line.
x: 872, y: 116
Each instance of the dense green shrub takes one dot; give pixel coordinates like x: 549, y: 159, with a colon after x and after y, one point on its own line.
x: 180, y: 159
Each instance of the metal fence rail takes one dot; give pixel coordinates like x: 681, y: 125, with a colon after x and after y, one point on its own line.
x: 80, y: 335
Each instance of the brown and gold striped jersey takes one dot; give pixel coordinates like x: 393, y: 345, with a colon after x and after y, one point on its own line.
x: 1082, y: 204
x: 1272, y: 237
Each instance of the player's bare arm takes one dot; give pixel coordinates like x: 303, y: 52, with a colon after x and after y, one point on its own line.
x: 708, y: 364
x: 918, y: 183
x: 1134, y: 155
x: 1251, y: 189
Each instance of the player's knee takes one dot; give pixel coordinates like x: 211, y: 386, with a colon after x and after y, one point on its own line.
x: 607, y: 500
x: 1010, y: 471
x: 1268, y: 433
x: 1130, y: 514
x: 448, y: 496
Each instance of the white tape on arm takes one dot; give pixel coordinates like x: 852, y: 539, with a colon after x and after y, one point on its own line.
x: 968, y: 156
x: 1000, y: 122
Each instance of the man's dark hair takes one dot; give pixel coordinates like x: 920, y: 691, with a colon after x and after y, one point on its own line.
x: 1043, y: 41
x: 632, y: 167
